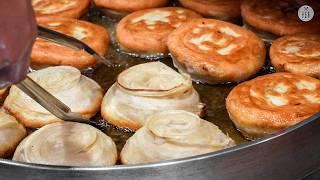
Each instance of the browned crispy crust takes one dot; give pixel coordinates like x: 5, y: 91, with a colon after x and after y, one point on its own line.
x: 3, y: 94
x: 254, y: 115
x: 76, y: 11
x: 207, y: 65
x: 129, y: 5
x: 279, y: 17
x: 132, y: 125
x: 137, y: 37
x: 36, y: 123
x: 46, y: 53
x: 296, y: 60
x: 223, y: 9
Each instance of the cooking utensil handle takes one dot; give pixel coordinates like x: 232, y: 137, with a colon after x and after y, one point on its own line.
x: 48, y: 101
x: 70, y: 42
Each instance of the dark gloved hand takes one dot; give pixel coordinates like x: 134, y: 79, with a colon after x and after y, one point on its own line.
x: 17, y: 35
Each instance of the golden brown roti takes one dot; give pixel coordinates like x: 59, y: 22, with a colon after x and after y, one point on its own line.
x: 214, y: 51
x: 270, y: 103
x: 147, y: 31
x: 46, y: 53
x: 298, y: 53
x: 130, y: 5
x: 49, y: 9
x: 221, y: 9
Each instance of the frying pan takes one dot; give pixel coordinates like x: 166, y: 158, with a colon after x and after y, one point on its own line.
x: 290, y: 154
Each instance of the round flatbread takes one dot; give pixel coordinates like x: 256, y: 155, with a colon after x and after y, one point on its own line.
x: 50, y: 9
x: 270, y: 103
x: 299, y: 53
x: 147, y: 31
x: 214, y: 51
x: 45, y: 53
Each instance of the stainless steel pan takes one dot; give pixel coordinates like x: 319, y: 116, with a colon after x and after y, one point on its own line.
x: 291, y: 154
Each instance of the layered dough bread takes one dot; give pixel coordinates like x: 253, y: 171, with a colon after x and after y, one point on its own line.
x: 50, y: 9
x: 45, y: 53
x: 171, y: 135
x: 279, y: 17
x: 299, y: 53
x: 270, y: 103
x: 147, y: 31
x: 220, y: 9
x: 67, y: 144
x: 11, y: 133
x: 81, y: 94
x: 129, y: 5
x: 145, y: 89
x: 214, y: 51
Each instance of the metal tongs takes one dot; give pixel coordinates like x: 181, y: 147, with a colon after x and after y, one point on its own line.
x: 70, y: 42
x: 49, y: 102
x: 43, y: 97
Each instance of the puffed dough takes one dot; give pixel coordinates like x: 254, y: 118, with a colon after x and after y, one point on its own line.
x: 171, y: 135
x: 11, y: 133
x: 299, y: 53
x: 145, y: 89
x: 214, y: 51
x: 81, y: 94
x: 50, y: 9
x: 67, y: 144
x: 270, y: 103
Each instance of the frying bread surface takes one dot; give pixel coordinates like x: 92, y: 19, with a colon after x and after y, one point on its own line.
x: 45, y: 53
x: 214, y: 51
x: 147, y: 31
x: 299, y: 53
x: 270, y: 103
x: 50, y: 9
x: 130, y: 5
x: 221, y: 9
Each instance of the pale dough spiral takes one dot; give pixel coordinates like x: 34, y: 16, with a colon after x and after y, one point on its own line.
x: 173, y: 134
x: 69, y: 144
x: 145, y: 89
x: 81, y: 94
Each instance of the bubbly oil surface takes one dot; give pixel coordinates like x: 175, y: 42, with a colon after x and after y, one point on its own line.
x: 212, y: 95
